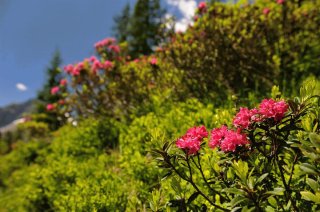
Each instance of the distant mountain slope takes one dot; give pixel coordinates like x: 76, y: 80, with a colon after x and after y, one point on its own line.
x: 14, y: 111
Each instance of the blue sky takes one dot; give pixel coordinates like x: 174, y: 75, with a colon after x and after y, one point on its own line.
x: 31, y: 30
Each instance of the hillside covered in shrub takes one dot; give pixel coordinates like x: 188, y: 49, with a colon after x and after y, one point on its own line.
x: 222, y: 117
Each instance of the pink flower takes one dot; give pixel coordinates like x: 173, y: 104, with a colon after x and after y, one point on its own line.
x: 202, y: 7
x: 80, y: 65
x: 114, y: 48
x: 93, y: 59
x: 104, y: 43
x: 244, y: 117
x: 68, y: 69
x: 107, y: 65
x: 198, y: 132
x: 280, y: 1
x: 96, y: 66
x: 266, y: 11
x: 233, y: 139
x: 153, y: 61
x: 192, y: 139
x: 50, y: 107
x: 75, y: 72
x: 63, y: 82
x: 109, y: 41
x: 190, y: 144
x: 269, y: 108
x: 227, y: 140
x: 55, y: 90
x: 217, y: 135
x: 98, y: 45
x: 77, y: 69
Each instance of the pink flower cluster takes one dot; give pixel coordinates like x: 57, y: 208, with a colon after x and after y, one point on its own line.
x: 114, y: 48
x: 97, y: 65
x: 268, y: 108
x: 202, y: 7
x: 266, y: 11
x: 244, y: 117
x: 50, y: 107
x: 74, y: 70
x: 108, y: 43
x: 153, y: 61
x: 92, y: 61
x: 280, y: 1
x: 107, y: 65
x: 55, y: 90
x: 63, y: 82
x: 104, y: 43
x: 192, y: 139
x: 227, y: 140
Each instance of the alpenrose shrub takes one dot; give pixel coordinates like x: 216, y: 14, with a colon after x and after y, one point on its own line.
x: 249, y: 45
x: 229, y: 140
x: 230, y: 49
x: 111, y: 83
x: 267, y: 161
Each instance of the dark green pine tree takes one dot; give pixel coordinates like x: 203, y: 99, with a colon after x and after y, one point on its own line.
x: 121, y: 27
x: 142, y: 30
x: 145, y: 27
x: 44, y: 97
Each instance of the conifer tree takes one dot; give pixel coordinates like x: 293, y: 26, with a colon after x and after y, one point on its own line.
x: 121, y: 27
x: 44, y: 97
x: 142, y: 29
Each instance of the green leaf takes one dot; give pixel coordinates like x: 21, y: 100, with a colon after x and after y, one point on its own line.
x: 308, y: 168
x: 250, y: 182
x: 261, y: 178
x: 167, y: 175
x: 234, y: 191
x: 307, y: 89
x: 288, y: 206
x: 307, y: 195
x: 237, y: 200
x: 293, y: 105
x: 241, y: 169
x: 236, y: 209
x: 276, y: 191
x: 246, y: 209
x: 270, y: 209
x: 315, y: 139
x: 152, y: 206
x: 313, y: 184
x: 193, y: 197
x: 272, y: 201
x: 175, y: 184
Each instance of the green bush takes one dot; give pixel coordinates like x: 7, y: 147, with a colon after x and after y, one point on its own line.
x: 232, y: 55
x: 275, y: 169
x: 238, y: 48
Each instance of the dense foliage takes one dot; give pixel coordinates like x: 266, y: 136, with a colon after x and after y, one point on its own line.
x: 269, y: 163
x: 124, y: 149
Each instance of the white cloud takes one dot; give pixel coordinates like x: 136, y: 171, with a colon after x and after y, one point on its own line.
x: 182, y: 25
x: 187, y: 9
x: 21, y: 87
